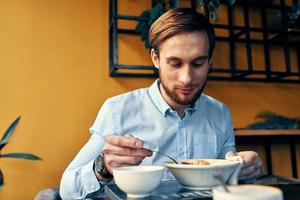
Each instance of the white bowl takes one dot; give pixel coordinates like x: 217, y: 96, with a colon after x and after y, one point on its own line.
x: 138, y: 181
x: 201, y: 177
x: 247, y: 192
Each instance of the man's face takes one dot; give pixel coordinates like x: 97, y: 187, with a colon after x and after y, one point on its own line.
x: 183, y: 64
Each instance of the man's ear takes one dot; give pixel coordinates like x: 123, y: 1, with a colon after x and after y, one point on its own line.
x: 155, y: 58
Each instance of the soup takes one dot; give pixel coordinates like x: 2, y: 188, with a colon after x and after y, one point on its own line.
x: 196, y: 162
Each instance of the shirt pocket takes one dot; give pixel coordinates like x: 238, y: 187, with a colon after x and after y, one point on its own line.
x: 204, y: 146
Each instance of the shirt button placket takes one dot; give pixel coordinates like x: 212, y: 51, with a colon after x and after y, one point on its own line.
x: 181, y: 144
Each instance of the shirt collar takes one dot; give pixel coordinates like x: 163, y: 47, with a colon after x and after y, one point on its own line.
x: 162, y: 105
x: 195, y: 106
x: 157, y: 98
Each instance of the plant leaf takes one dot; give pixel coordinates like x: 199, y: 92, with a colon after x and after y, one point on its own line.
x: 8, y: 133
x: 144, y: 34
x: 174, y: 3
x: 155, y: 12
x: 3, y: 145
x: 145, y: 14
x: 26, y: 156
x: 274, y: 121
x: 266, y: 115
x: 147, y: 44
x: 141, y: 24
x: 231, y: 2
x: 200, y: 2
x: 214, y: 10
x: 1, y: 179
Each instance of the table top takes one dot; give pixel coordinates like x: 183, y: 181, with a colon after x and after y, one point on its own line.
x: 166, y: 190
x: 172, y: 190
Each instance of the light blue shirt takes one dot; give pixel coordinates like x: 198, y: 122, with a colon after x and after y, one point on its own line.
x: 205, y: 131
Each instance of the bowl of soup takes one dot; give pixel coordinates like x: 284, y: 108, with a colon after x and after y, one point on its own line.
x: 199, y: 174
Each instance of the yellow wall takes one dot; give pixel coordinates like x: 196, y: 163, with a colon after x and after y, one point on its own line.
x: 54, y: 72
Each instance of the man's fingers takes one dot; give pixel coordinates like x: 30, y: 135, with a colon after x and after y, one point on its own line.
x: 128, y: 135
x: 124, y: 141
x: 247, y: 179
x: 249, y: 170
x: 252, y: 168
x: 113, y: 161
x: 116, y: 161
x: 249, y: 158
x: 250, y: 177
x: 125, y: 151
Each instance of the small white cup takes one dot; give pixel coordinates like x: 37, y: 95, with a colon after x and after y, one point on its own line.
x: 247, y: 192
x: 138, y: 181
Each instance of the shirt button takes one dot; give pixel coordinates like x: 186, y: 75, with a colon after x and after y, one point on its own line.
x: 181, y: 153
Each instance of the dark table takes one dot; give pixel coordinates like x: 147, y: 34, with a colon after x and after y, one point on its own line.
x: 172, y: 190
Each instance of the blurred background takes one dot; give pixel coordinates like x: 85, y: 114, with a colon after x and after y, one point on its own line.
x: 54, y: 72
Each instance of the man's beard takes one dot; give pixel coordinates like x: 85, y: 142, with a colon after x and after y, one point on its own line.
x: 176, y: 98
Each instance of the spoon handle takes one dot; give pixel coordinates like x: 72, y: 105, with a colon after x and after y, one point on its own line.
x: 154, y: 148
x: 175, y: 161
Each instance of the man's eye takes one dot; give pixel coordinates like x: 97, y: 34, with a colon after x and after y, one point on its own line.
x: 175, y: 64
x: 198, y: 65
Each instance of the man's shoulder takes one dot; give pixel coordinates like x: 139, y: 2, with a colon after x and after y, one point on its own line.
x: 214, y: 108
x: 134, y: 95
x: 212, y: 104
x: 211, y: 101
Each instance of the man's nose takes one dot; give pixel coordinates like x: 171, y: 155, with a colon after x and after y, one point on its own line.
x: 185, y: 75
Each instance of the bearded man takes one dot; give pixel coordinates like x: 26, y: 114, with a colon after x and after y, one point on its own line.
x: 172, y: 113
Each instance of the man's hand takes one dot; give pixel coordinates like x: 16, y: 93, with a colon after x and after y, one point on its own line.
x: 252, y: 168
x: 123, y: 151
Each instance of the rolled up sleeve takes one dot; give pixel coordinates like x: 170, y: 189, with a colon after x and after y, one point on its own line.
x: 229, y: 140
x: 78, y: 183
x: 79, y: 180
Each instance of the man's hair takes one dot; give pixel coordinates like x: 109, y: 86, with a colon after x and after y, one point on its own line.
x: 178, y: 21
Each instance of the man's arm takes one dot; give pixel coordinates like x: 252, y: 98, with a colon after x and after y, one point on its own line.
x: 229, y: 139
x: 81, y: 179
x: 252, y: 168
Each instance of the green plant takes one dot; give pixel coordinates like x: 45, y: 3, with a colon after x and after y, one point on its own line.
x: 147, y: 17
x: 293, y: 16
x: 4, y: 141
x: 274, y: 121
x: 290, y: 19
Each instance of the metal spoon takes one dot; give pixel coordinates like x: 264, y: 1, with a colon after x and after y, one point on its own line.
x: 154, y: 148
x: 175, y: 161
x: 221, y: 180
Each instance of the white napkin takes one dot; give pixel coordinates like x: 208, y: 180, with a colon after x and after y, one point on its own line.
x: 233, y: 179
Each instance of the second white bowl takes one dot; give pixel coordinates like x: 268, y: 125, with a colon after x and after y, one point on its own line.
x: 138, y: 181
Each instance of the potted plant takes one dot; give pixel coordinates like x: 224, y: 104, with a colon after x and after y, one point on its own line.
x: 5, y: 140
x: 274, y: 121
x: 147, y: 17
